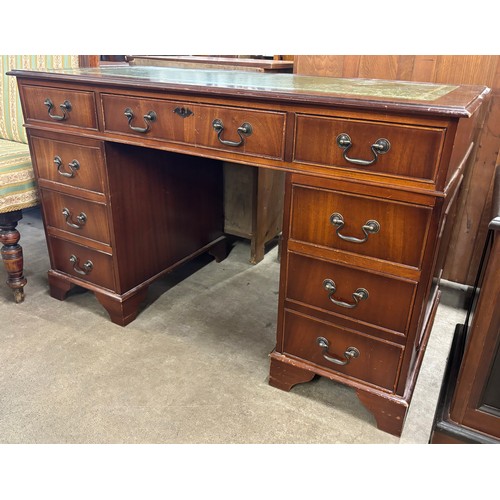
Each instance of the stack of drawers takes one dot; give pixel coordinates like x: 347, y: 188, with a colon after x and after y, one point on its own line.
x: 72, y: 179
x: 116, y: 216
x: 358, y: 291
x: 353, y: 294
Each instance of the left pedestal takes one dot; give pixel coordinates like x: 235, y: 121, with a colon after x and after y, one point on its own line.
x: 118, y: 217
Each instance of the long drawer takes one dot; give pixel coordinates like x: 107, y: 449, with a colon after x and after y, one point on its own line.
x: 81, y: 262
x: 69, y: 163
x: 342, y: 351
x: 224, y: 128
x: 75, y: 215
x: 65, y: 107
x: 385, y: 148
x: 353, y: 293
x: 381, y: 228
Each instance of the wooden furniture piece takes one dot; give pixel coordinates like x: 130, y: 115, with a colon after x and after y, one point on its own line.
x: 18, y: 188
x: 253, y: 205
x: 253, y: 197
x: 469, y: 403
x: 474, y: 199
x: 372, y: 169
x: 213, y: 62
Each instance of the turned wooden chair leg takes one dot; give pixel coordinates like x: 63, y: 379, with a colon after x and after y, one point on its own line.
x: 12, y: 253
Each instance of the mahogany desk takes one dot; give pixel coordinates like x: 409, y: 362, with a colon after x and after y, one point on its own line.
x: 128, y: 161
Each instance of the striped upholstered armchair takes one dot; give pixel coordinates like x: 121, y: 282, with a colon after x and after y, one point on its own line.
x: 18, y: 188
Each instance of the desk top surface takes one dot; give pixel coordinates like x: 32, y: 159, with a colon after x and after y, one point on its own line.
x: 420, y: 97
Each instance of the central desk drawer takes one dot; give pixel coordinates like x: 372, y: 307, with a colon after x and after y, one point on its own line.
x: 235, y: 130
x: 81, y: 262
x: 69, y: 163
x: 83, y: 218
x: 414, y: 150
x: 377, y: 362
x: 66, y: 107
x: 383, y: 229
x: 352, y: 293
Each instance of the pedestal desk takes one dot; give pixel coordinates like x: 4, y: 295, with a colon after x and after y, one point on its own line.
x: 128, y: 162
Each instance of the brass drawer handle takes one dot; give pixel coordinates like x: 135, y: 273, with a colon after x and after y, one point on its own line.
x: 73, y: 166
x: 380, y: 147
x: 349, y: 353
x: 148, y: 119
x: 85, y: 269
x: 243, y: 130
x: 80, y: 219
x: 65, y: 107
x: 370, y: 227
x: 359, y: 294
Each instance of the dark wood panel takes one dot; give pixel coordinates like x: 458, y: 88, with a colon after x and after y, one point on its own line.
x: 479, y: 378
x: 469, y: 402
x: 165, y: 207
x: 491, y: 395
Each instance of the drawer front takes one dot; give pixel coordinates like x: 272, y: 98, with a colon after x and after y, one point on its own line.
x: 82, y: 262
x: 244, y: 131
x: 386, y: 302
x: 376, y: 363
x: 80, y: 217
x: 69, y: 163
x: 64, y: 107
x: 401, y: 228
x: 164, y: 119
x: 414, y: 151
x: 193, y: 124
